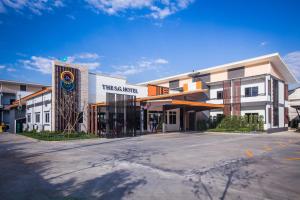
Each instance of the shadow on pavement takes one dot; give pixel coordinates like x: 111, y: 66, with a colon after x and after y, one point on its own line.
x: 21, y: 178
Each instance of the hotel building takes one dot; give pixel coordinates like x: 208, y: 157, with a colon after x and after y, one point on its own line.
x: 109, y: 105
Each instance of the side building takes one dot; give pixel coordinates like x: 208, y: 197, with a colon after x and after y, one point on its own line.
x: 11, y: 91
x: 294, y: 107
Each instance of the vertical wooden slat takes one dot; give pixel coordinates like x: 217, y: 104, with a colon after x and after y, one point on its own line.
x: 227, y: 97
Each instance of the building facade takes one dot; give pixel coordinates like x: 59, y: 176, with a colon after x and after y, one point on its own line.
x: 9, y: 92
x: 106, y: 105
x: 257, y: 86
x: 294, y: 107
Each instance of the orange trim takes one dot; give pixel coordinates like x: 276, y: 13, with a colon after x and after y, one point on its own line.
x: 170, y: 95
x: 185, y: 87
x: 198, y: 104
x: 24, y: 99
x: 98, y: 104
x: 152, y: 90
x: 198, y: 85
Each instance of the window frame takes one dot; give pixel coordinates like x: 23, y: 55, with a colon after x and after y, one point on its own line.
x: 23, y: 86
x: 249, y: 91
x: 172, y: 117
x: 253, y: 114
x: 174, y: 83
x: 28, y: 118
x: 39, y: 118
x: 220, y: 92
x: 47, y: 113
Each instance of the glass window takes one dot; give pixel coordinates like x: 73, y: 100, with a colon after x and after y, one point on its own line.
x: 248, y: 92
x: 37, y: 118
x: 23, y: 88
x: 255, y: 91
x: 251, y: 91
x: 47, y: 117
x: 172, y: 117
x: 174, y: 84
x: 29, y: 118
x: 219, y: 94
x: 251, y: 114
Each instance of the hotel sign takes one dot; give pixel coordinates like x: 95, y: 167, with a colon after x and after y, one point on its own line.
x: 119, y: 89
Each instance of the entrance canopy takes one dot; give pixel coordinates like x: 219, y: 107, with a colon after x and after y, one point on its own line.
x: 189, y: 105
x: 190, y: 100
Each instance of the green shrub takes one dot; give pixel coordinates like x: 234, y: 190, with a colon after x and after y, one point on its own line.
x: 239, y: 124
x: 57, y: 136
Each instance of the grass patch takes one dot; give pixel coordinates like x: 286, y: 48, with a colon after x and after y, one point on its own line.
x: 58, y: 136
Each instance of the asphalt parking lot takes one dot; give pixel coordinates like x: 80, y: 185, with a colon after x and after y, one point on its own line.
x: 164, y: 166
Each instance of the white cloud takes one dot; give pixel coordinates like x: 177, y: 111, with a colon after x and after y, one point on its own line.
x: 139, y: 67
x: 92, y: 56
x: 2, y: 67
x: 293, y: 61
x: 44, y: 64
x: 264, y: 43
x: 40, y: 64
x: 157, y: 9
x: 161, y: 61
x: 11, y: 69
x: 91, y: 65
x: 86, y: 59
x: 2, y: 8
x: 71, y: 17
x: 35, y: 6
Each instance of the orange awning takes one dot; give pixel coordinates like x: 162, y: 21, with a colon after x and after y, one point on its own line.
x: 197, y: 104
x: 171, y: 95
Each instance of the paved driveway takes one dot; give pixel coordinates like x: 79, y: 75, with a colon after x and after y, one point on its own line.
x: 165, y: 166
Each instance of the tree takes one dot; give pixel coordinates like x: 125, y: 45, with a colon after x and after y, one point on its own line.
x: 70, y: 111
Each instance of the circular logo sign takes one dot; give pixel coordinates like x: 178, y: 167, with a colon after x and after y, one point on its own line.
x: 67, y: 81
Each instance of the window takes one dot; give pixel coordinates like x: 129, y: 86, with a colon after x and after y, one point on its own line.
x: 251, y: 91
x: 23, y: 88
x: 174, y: 84
x: 253, y: 115
x: 172, y: 117
x: 29, y: 118
x: 219, y: 94
x: 11, y: 101
x: 37, y: 117
x: 47, y: 117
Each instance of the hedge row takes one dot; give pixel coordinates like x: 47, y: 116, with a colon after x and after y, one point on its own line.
x: 233, y: 123
x: 57, y: 136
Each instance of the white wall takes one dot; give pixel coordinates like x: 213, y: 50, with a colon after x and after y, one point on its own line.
x: 281, y: 92
x: 260, y: 83
x: 98, y: 94
x: 42, y: 109
x: 215, y: 112
x: 214, y: 89
x: 281, y: 116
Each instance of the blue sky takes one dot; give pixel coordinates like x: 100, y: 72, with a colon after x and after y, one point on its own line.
x: 143, y: 39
